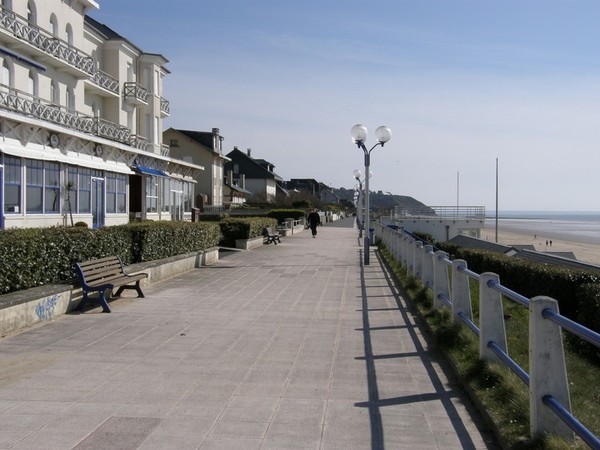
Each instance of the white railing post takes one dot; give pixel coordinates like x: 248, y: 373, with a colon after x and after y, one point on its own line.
x: 410, y: 256
x: 428, y: 266
x: 418, y: 260
x: 491, y: 317
x: 404, y: 251
x: 397, y: 245
x: 461, y: 290
x: 441, y: 283
x: 547, y: 370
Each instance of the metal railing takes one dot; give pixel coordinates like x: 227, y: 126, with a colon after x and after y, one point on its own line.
x: 440, y: 212
x: 19, y: 27
x: 165, y: 106
x: 32, y: 106
x: 550, y: 407
x: 133, y: 90
x: 105, y: 81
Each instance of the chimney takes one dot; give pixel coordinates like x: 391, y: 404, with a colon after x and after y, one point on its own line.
x: 249, y: 152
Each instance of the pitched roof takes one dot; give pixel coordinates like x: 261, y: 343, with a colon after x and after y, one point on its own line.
x: 252, y: 168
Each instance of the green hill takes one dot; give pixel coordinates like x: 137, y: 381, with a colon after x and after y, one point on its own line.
x: 381, y: 202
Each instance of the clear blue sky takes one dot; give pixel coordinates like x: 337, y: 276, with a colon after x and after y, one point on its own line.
x: 460, y: 83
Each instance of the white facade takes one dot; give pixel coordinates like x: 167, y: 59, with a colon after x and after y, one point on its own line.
x: 81, y: 111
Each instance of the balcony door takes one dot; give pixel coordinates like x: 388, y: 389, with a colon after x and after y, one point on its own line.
x: 97, y: 202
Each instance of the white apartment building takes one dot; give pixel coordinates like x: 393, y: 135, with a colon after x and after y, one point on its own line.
x: 81, y: 114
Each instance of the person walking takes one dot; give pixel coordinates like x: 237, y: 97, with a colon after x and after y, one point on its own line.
x: 314, y: 220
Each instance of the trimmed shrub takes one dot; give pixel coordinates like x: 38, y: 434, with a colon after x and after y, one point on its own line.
x: 282, y: 214
x: 36, y: 256
x: 245, y: 228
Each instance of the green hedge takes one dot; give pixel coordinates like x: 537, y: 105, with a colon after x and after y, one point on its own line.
x: 282, y: 214
x: 577, y: 291
x: 245, y: 228
x: 36, y: 256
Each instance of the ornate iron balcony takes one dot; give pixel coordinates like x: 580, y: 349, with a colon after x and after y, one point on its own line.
x: 135, y: 93
x: 138, y: 142
x: 21, y: 29
x: 105, y: 81
x: 164, y: 106
x: 23, y: 103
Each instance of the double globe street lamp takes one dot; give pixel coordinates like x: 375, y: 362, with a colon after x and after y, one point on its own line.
x: 359, y: 135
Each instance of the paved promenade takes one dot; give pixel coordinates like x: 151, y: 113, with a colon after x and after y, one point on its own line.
x: 294, y: 346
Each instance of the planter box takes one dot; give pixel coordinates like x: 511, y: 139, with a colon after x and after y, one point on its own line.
x: 249, y: 244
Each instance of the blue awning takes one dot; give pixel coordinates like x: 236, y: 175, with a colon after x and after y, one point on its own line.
x: 23, y: 59
x: 149, y: 171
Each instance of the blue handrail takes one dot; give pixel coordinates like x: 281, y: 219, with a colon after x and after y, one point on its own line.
x: 571, y: 421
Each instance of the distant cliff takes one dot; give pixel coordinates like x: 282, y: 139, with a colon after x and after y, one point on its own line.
x: 379, y: 201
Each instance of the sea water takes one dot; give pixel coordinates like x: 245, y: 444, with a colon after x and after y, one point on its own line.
x: 583, y: 227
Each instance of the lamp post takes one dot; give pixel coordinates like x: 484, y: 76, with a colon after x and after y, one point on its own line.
x: 360, y: 200
x: 359, y: 135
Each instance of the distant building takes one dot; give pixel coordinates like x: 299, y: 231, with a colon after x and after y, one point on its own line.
x: 441, y: 222
x: 258, y: 174
x: 205, y: 149
x: 81, y: 113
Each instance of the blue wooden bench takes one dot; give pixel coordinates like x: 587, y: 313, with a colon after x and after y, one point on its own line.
x: 100, y: 275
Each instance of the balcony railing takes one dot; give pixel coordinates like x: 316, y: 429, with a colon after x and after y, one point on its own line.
x: 135, y: 93
x: 20, y: 28
x: 164, y: 106
x: 165, y: 150
x: 105, y: 81
x: 138, y: 142
x: 29, y: 105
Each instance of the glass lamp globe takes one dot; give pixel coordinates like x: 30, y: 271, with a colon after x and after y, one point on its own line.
x: 383, y: 134
x: 359, y: 133
x: 357, y: 173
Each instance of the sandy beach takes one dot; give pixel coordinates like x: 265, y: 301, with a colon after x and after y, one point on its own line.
x: 583, y: 252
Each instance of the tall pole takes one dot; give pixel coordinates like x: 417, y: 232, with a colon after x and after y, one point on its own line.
x: 496, y: 200
x: 457, y: 193
x: 367, y: 237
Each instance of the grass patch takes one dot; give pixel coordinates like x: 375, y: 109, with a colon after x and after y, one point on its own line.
x: 501, y: 393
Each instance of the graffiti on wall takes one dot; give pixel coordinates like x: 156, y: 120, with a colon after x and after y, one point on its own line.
x: 45, y: 309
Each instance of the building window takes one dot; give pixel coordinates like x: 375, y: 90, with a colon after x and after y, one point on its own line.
x: 12, y: 185
x: 34, y: 193
x: 70, y: 100
x: 116, y: 193
x: 84, y: 191
x: 69, y: 33
x: 80, y: 194
x: 31, y: 12
x: 6, y: 76
x: 165, y: 205
x: 7, y: 4
x: 32, y: 83
x: 151, y: 194
x: 52, y: 188
x: 43, y: 187
x: 54, y: 25
x: 188, y: 192
x: 55, y: 93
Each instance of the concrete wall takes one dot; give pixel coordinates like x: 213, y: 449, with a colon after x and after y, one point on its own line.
x: 22, y: 309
